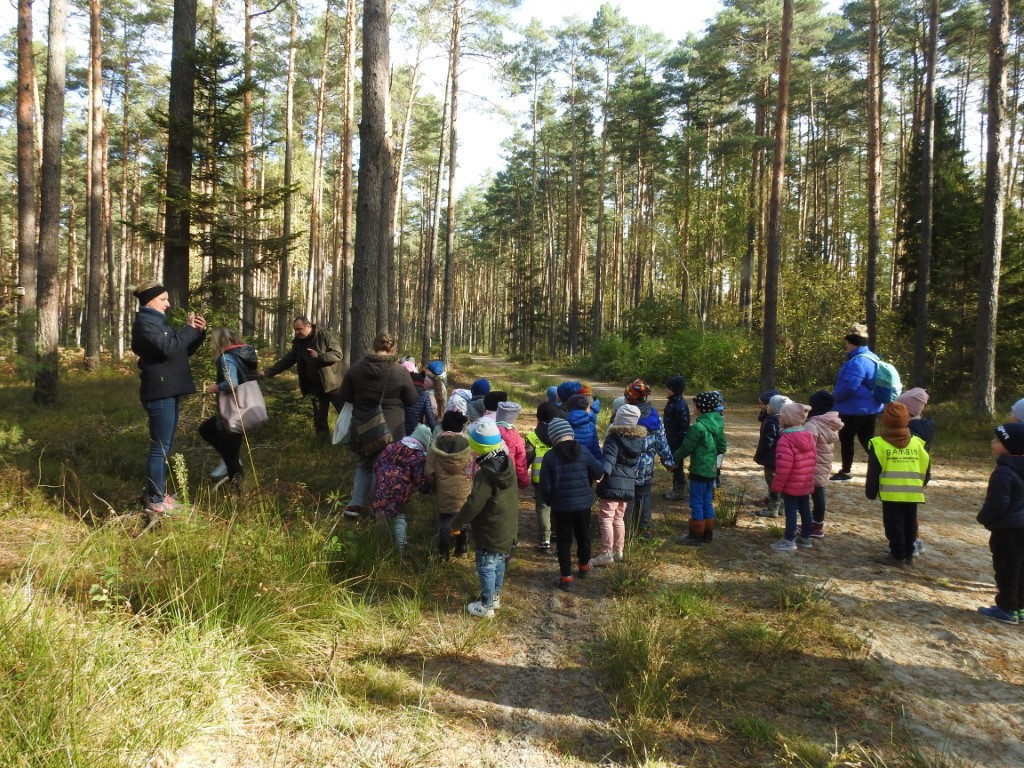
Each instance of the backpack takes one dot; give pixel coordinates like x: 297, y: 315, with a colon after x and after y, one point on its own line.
x: 887, y: 385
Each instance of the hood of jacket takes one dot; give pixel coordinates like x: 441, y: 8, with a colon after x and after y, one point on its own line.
x: 245, y: 354
x: 376, y: 366
x: 1015, y: 463
x: 498, y: 467
x: 567, y: 449
x: 636, y: 431
x: 649, y: 418
x: 451, y: 451
x: 578, y: 418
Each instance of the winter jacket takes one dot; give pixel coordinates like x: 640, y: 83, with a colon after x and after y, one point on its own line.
x: 677, y: 421
x: 367, y: 379
x: 399, y: 471
x: 703, y: 444
x: 423, y: 411
x: 475, y: 408
x: 1004, y: 501
x: 566, y: 476
x: 622, y: 449
x: 493, y: 505
x: 163, y: 355
x: 584, y: 427
x: 655, y: 444
x: 517, y: 452
x: 770, y: 431
x: 449, y: 471
x: 925, y: 429
x: 316, y: 376
x: 855, y: 382
x: 796, y: 456
x: 825, y: 428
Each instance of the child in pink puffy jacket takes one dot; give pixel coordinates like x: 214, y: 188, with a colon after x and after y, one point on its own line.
x: 824, y: 423
x: 795, y: 458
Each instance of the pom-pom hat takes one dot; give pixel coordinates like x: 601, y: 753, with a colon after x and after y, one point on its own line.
x: 484, y: 436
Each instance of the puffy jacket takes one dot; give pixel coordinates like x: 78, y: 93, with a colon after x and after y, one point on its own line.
x: 584, y: 427
x: 1004, y: 501
x: 704, y: 442
x: 825, y: 428
x: 854, y: 384
x: 795, y: 458
x: 770, y: 431
x: 423, y: 411
x: 517, y: 452
x: 566, y: 476
x: 322, y: 374
x: 399, y: 471
x: 655, y: 444
x: 163, y: 355
x: 925, y: 429
x: 493, y: 505
x: 622, y: 449
x: 677, y: 420
x: 371, y: 376
x: 449, y: 471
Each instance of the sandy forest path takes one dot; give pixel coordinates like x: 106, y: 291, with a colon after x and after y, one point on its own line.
x: 958, y: 676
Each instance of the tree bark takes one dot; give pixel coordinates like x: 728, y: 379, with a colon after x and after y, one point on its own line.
x: 94, y: 289
x: 283, y: 284
x: 346, y: 177
x: 874, y: 170
x: 448, y: 303
x: 27, y: 167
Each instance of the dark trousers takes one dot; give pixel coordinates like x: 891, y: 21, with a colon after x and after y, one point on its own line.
x: 227, y: 444
x: 818, y: 504
x: 859, y: 427
x: 567, y: 525
x: 900, y: 521
x: 1007, y: 547
x: 322, y: 402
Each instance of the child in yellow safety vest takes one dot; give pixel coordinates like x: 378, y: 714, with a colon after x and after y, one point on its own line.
x: 536, y: 446
x: 898, y: 471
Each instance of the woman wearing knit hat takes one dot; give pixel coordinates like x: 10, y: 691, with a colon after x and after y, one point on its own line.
x: 166, y: 377
x: 566, y: 478
x: 898, y: 471
x: 1003, y: 515
x: 703, y: 444
x: 493, y: 510
x: 854, y: 400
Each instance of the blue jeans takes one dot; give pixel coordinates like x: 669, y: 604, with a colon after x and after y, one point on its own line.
x: 702, y: 495
x: 794, y: 504
x: 638, y: 513
x: 363, y: 482
x: 490, y: 567
x: 163, y: 423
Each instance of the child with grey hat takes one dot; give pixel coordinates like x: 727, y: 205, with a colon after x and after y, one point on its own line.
x: 623, y: 444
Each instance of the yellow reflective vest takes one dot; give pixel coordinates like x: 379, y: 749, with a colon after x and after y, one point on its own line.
x: 539, y: 449
x: 903, y: 470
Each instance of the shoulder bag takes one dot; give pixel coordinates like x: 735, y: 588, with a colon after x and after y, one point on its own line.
x: 242, y: 409
x: 373, y: 433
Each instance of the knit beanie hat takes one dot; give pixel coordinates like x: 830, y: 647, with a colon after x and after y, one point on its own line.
x: 705, y: 401
x: 458, y: 400
x: 915, y: 399
x: 148, y: 294
x: 1017, y: 409
x: 719, y: 400
x: 480, y: 387
x: 821, y: 402
x: 766, y: 397
x: 793, y: 414
x: 858, y: 335
x: 436, y: 367
x: 409, y: 363
x: 637, y: 392
x: 676, y: 385
x: 508, y: 411
x: 422, y: 435
x: 547, y: 411
x: 895, y: 417
x: 627, y: 416
x: 552, y: 393
x: 617, y: 403
x: 453, y: 421
x: 1012, y: 437
x: 776, y: 403
x: 559, y: 430
x: 491, y: 399
x: 577, y: 403
x: 567, y: 389
x: 484, y: 436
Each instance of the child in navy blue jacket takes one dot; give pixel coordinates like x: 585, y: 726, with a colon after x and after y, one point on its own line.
x: 567, y: 475
x: 676, y: 418
x: 771, y: 405
x: 1003, y: 515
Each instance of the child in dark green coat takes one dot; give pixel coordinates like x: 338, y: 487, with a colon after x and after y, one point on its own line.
x: 703, y: 444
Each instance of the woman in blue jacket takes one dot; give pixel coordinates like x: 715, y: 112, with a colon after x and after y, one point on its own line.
x: 165, y: 376
x: 855, y: 402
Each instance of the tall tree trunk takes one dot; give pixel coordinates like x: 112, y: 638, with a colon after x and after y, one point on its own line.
x: 27, y: 168
x: 47, y: 368
x: 94, y: 289
x: 874, y: 170
x: 315, y: 266
x: 984, y: 391
x: 248, y: 226
x: 346, y: 176
x: 447, y: 307
x: 180, y: 133
x: 283, y: 284
x: 924, y: 257
x: 376, y: 171
x: 774, y: 258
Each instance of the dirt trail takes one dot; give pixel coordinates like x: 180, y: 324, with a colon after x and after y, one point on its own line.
x: 958, y: 676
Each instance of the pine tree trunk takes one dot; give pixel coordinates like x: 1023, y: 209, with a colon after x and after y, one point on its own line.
x: 94, y: 288
x: 27, y: 166
x: 453, y: 145
x: 315, y: 266
x: 346, y: 177
x: 284, y: 274
x: 874, y: 170
x: 924, y: 257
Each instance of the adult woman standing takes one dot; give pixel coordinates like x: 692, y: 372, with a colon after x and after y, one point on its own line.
x: 854, y: 400
x: 166, y: 376
x: 236, y: 364
x: 376, y: 379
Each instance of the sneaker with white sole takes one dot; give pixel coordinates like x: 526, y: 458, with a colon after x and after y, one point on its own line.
x: 605, y: 558
x: 221, y: 470
x: 804, y: 541
x: 918, y: 547
x: 997, y: 613
x: 784, y: 545
x: 353, y: 512
x: 477, y: 609
x: 620, y: 557
x: 841, y: 477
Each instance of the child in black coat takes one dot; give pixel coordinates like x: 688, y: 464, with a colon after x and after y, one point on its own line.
x: 623, y: 444
x: 1003, y: 515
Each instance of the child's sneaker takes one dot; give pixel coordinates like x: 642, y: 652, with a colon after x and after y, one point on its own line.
x: 353, y: 511
x: 565, y: 583
x: 158, y: 508
x: 620, y: 557
x: 605, y: 558
x: 495, y: 602
x: 584, y: 571
x: 477, y: 609
x: 544, y: 547
x: 997, y: 613
x: 784, y: 545
x: 817, y: 530
x: 804, y: 541
x: 918, y: 547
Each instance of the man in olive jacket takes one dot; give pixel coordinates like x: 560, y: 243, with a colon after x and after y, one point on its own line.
x: 317, y: 353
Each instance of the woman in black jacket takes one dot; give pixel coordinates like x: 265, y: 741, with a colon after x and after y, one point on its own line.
x: 166, y: 376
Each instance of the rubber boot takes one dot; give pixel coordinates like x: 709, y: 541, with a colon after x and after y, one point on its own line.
x: 709, y: 530
x: 695, y: 536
